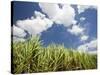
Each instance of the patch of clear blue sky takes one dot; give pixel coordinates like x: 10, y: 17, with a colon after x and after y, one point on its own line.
x: 58, y: 33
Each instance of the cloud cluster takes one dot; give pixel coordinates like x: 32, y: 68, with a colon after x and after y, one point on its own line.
x: 54, y: 13
x: 18, y: 32
x: 76, y: 30
x: 39, y: 22
x: 64, y: 15
x: 34, y: 25
x: 57, y: 13
x: 89, y: 47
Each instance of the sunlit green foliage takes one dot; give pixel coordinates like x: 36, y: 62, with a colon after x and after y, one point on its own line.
x: 30, y: 56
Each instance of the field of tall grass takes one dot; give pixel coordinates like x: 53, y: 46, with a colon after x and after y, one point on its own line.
x: 31, y: 57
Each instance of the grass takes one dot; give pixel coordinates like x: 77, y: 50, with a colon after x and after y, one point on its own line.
x: 30, y: 56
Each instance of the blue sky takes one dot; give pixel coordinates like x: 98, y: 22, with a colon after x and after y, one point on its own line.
x: 75, y: 26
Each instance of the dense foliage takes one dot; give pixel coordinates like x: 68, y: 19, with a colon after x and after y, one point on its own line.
x: 30, y: 56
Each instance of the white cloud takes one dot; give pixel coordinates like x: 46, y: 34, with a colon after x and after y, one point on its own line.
x: 76, y: 30
x: 35, y: 25
x: 18, y: 32
x: 84, y: 37
x: 82, y: 8
x: 88, y: 47
x: 64, y: 15
x: 93, y: 44
x: 49, y: 9
x: 82, y: 18
x: 39, y: 22
x: 39, y: 14
x: 74, y: 22
x: 18, y: 39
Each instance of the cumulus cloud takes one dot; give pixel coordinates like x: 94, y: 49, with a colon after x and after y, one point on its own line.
x: 82, y: 8
x: 82, y: 18
x: 76, y: 30
x: 39, y: 22
x: 34, y: 25
x: 18, y: 32
x: 49, y: 9
x: 74, y: 22
x: 64, y: 15
x: 88, y: 47
x: 38, y: 14
x: 84, y: 37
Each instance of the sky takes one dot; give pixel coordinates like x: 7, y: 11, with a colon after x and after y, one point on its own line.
x: 75, y: 26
